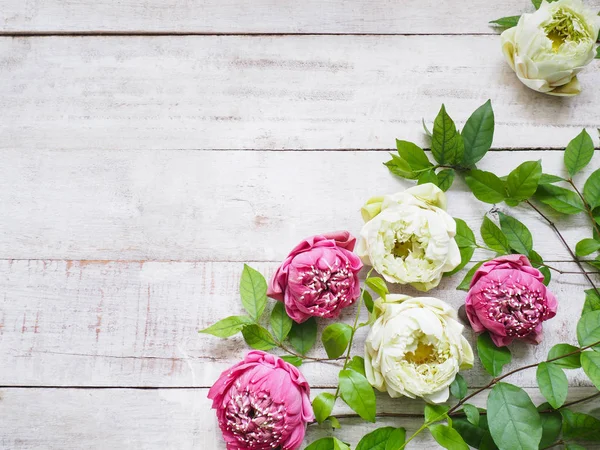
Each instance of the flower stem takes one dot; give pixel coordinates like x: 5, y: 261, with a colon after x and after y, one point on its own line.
x: 568, y: 272
x: 566, y: 245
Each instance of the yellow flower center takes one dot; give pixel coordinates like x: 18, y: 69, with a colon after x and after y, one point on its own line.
x: 423, y: 354
x: 565, y: 27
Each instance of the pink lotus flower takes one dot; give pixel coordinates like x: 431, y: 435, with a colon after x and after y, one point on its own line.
x: 262, y: 403
x: 508, y: 299
x: 319, y: 277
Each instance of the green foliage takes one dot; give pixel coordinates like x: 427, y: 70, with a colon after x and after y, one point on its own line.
x: 335, y: 339
x: 281, y: 324
x: 435, y: 413
x: 323, y: 405
x: 458, y: 388
x: 464, y: 284
x: 549, y: 179
x: 328, y: 443
x: 445, y: 178
x: 258, y: 337
x: 579, y: 153
x: 553, y: 384
x: 339, y: 445
x: 414, y: 155
x: 396, y: 439
x: 358, y: 394
x: 303, y: 335
x: 447, y: 144
x: 477, y: 436
x: 378, y: 286
x: 506, y: 22
x: 447, y: 437
x: 293, y: 360
x: 592, y: 301
x: 522, y: 182
x: 478, y: 134
x: 518, y: 235
x: 472, y: 413
x: 590, y: 362
x: 560, y: 199
x: 493, y: 358
x: 513, y: 419
x: 357, y: 363
x: 588, y: 329
x: 227, y: 327
x: 379, y: 438
x: 568, y: 362
x: 486, y: 186
x: 580, y: 426
x: 493, y: 237
x: 368, y: 300
x: 400, y: 167
x: 586, y: 247
x: 253, y: 290
x: 551, y: 425
x: 429, y: 176
x: 465, y: 239
x: 591, y: 189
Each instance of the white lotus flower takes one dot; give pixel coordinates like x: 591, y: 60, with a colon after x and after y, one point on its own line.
x: 415, y: 348
x: 547, y: 49
x: 408, y: 237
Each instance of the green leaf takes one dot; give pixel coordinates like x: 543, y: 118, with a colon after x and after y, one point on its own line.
x: 227, y: 327
x: 357, y: 363
x: 464, y: 235
x: 553, y: 384
x: 335, y: 339
x: 588, y: 329
x: 428, y: 176
x: 472, y: 434
x: 537, y: 3
x: 447, y: 144
x: 591, y: 189
x: 322, y: 444
x: 590, y: 362
x: 323, y: 405
x: 518, y: 236
x: 435, y: 413
x: 466, y: 282
x: 293, y: 360
x: 522, y: 182
x: 413, y: 155
x: 448, y: 437
x: 257, y: 337
x: 396, y: 439
x: 577, y: 446
x: 478, y: 134
x: 549, y: 179
x: 375, y: 440
x: 586, y: 247
x: 486, y: 186
x: 560, y: 199
x: 281, y: 324
x: 458, y: 388
x: 494, y: 237
x: 551, y: 425
x: 368, y: 301
x: 592, y: 301
x: 493, y: 358
x: 253, y: 290
x: 506, y: 22
x: 334, y: 422
x: 427, y: 132
x: 445, y: 179
x: 568, y: 362
x: 399, y: 167
x: 339, y: 445
x: 358, y: 394
x: 472, y: 413
x: 303, y: 335
x: 579, y: 153
x: 466, y: 253
x: 377, y: 285
x: 513, y: 420
x: 580, y: 426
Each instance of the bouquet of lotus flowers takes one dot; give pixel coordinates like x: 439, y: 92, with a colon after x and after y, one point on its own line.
x: 417, y: 346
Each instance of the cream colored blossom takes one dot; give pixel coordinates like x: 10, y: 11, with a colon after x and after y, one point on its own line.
x: 547, y: 49
x: 408, y: 237
x: 415, y: 348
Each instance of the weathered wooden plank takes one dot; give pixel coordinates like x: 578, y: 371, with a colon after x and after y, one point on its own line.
x: 65, y: 323
x: 268, y: 92
x: 264, y: 16
x: 71, y: 419
x: 226, y: 206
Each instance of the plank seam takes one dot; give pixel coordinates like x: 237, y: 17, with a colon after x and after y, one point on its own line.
x: 23, y: 33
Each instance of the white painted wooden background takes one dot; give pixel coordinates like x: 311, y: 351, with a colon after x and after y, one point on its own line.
x: 150, y: 148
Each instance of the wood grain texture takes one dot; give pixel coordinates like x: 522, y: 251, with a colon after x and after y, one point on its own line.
x: 261, y: 16
x: 72, y: 419
x: 216, y: 206
x: 65, y: 323
x: 277, y: 92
